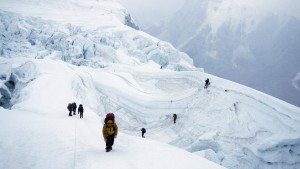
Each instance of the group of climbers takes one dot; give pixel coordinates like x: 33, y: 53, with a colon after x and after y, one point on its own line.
x: 72, y: 108
x: 110, y: 128
x: 144, y: 130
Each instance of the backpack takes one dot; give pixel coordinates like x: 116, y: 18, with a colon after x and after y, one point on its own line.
x: 69, y: 106
x: 175, y: 116
x: 109, y: 116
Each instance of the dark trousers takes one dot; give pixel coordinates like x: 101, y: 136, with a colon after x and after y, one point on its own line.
x: 143, y: 134
x: 110, y: 141
x: 81, y: 114
x: 70, y: 112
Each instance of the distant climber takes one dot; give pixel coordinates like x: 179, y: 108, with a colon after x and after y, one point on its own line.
x: 160, y: 67
x: 109, y: 131
x: 207, y: 83
x: 143, y: 132
x: 80, y: 110
x: 174, y: 117
x: 74, y: 107
x: 70, y: 108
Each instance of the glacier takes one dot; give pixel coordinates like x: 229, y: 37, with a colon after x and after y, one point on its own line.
x: 46, y: 63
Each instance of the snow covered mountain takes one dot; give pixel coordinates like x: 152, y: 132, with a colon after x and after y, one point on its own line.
x: 38, y: 133
x: 255, y: 43
x: 50, y: 57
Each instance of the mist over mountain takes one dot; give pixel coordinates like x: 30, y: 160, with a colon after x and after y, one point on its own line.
x: 255, y: 43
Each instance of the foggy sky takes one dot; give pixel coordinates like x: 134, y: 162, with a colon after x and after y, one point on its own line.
x: 149, y: 12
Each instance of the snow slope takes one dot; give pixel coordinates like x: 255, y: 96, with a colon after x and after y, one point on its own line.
x: 46, y: 64
x: 237, y: 128
x: 38, y: 133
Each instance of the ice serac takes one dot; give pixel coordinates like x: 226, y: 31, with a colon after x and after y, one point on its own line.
x: 98, y: 47
x: 49, y: 61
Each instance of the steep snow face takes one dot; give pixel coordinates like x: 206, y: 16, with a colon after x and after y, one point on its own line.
x: 251, y: 42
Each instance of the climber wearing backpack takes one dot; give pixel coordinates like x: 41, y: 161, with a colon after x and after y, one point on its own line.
x: 70, y: 108
x: 74, y: 107
x: 174, y: 118
x: 143, y: 132
x: 207, y: 83
x: 109, y: 131
x: 80, y: 110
